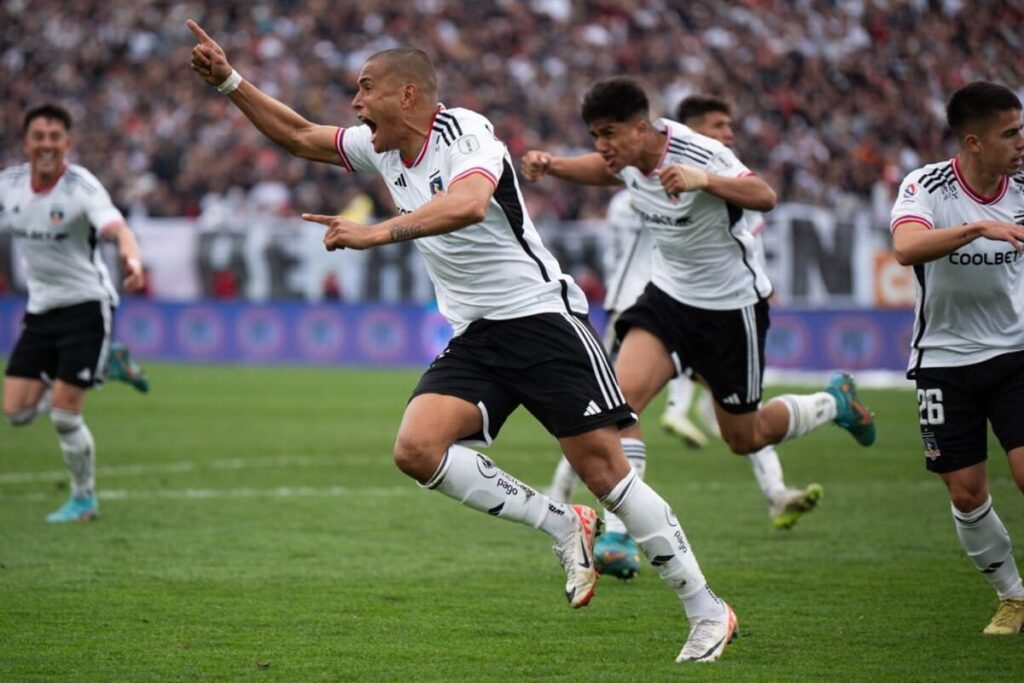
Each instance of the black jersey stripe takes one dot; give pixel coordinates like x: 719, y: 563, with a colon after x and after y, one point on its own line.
x: 444, y: 135
x: 935, y: 173
x: 934, y: 182
x: 446, y: 116
x: 684, y: 146
x: 447, y: 125
x: 735, y: 214
x: 919, y: 272
x: 507, y: 197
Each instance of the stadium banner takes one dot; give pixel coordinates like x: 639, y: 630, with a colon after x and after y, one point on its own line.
x: 396, y: 335
x: 815, y: 257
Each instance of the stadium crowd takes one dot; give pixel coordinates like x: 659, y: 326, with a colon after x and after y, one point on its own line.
x: 833, y: 96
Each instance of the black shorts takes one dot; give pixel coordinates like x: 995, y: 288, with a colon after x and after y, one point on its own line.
x: 69, y: 344
x: 551, y: 363
x: 954, y: 404
x: 726, y: 348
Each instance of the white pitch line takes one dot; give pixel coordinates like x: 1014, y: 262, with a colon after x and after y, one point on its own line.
x: 222, y: 494
x: 143, y: 469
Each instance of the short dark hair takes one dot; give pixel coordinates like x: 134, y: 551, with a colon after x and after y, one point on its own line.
x: 49, y: 110
x: 411, y: 64
x: 698, y: 105
x: 976, y: 102
x: 617, y: 99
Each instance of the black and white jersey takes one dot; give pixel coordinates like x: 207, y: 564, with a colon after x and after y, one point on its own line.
x: 496, y: 269
x: 628, y: 259
x: 706, y: 255
x: 970, y: 303
x: 57, y: 232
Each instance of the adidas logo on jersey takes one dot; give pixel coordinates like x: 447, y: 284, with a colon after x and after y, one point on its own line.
x: 400, y: 181
x: 592, y: 409
x: 731, y: 399
x: 84, y: 374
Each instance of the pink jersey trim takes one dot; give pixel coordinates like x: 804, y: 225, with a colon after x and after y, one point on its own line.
x: 476, y: 170
x: 426, y: 142
x: 910, y: 219
x: 339, y: 144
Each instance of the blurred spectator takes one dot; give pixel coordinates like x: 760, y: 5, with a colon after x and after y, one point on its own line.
x: 837, y: 97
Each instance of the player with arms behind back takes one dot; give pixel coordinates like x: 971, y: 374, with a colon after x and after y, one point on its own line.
x: 57, y: 211
x: 958, y: 223
x: 521, y: 335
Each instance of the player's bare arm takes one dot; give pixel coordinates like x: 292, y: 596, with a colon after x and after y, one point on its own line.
x: 913, y: 242
x: 128, y: 251
x: 464, y: 204
x: 746, y: 192
x: 273, y: 118
x: 586, y: 169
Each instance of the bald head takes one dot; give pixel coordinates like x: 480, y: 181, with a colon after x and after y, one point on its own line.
x: 409, y: 65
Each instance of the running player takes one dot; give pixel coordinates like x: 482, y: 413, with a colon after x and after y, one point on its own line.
x: 958, y: 223
x: 632, y: 248
x: 521, y: 335
x: 57, y: 211
x: 706, y: 308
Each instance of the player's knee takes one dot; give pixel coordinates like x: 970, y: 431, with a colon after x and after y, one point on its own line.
x: 740, y: 443
x: 415, y: 457
x: 966, y: 500
x: 21, y: 418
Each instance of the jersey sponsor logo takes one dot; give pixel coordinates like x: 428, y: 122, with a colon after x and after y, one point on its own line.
x: 661, y: 219
x: 931, y: 445
x: 467, y: 144
x: 910, y: 190
x: 39, y: 235
x: 999, y: 258
x: 592, y: 409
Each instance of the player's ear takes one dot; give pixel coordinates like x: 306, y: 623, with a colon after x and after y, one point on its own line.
x: 410, y: 93
x: 972, y: 143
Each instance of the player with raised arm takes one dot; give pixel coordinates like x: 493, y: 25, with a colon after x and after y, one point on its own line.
x: 521, y: 335
x: 958, y: 223
x: 57, y: 212
x: 705, y: 310
x: 633, y: 249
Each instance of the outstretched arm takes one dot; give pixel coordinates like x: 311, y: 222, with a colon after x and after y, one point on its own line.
x: 914, y: 242
x: 464, y: 204
x: 586, y: 169
x: 273, y: 118
x: 128, y: 250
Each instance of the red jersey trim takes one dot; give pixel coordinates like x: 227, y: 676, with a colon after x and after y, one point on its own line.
x: 1004, y: 182
x: 426, y: 142
x: 46, y: 188
x: 477, y: 170
x: 339, y: 144
x: 910, y: 219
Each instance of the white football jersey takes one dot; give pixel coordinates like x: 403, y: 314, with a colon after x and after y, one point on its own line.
x: 970, y: 303
x: 706, y: 255
x: 628, y: 259
x: 498, y: 268
x: 57, y: 232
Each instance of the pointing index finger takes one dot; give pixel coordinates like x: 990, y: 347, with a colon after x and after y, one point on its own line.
x: 198, y: 30
x: 317, y: 218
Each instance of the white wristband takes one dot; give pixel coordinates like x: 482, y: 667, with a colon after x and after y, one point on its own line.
x: 230, y: 83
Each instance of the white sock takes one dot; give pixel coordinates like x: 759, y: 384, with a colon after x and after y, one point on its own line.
x: 768, y: 472
x: 475, y: 481
x: 650, y: 520
x: 79, y: 451
x: 987, y: 543
x: 680, y: 396
x: 563, y: 483
x: 636, y: 453
x: 807, y: 412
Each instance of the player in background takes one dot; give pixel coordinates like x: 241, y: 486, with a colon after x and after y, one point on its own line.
x: 632, y: 249
x: 705, y: 310
x: 958, y: 223
x: 57, y: 211
x: 520, y: 331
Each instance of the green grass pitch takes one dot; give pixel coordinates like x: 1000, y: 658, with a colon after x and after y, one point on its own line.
x: 254, y: 528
